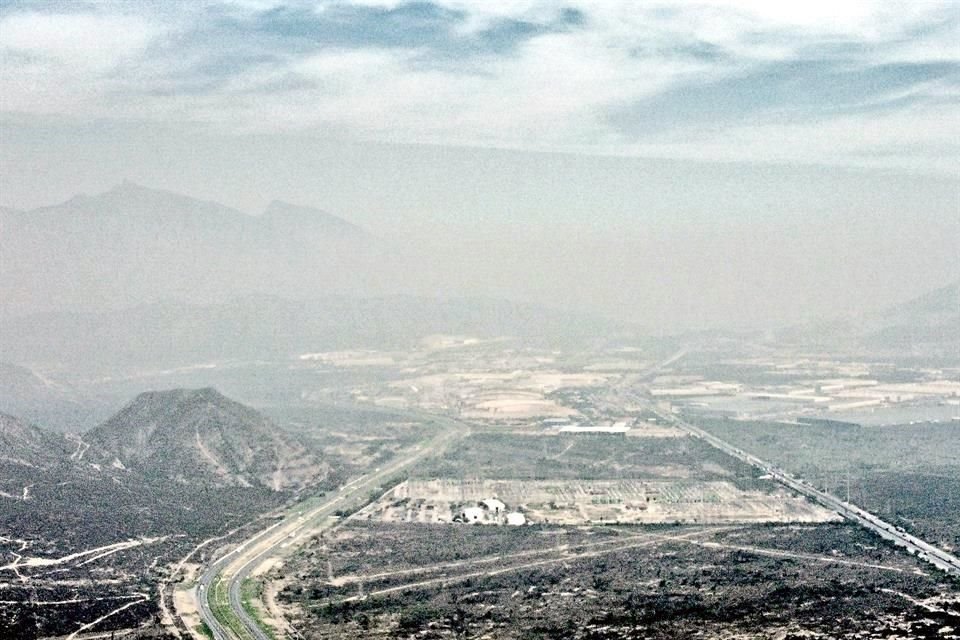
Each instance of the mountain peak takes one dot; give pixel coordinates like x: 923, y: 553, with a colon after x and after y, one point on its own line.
x: 168, y: 245
x: 190, y: 435
x: 128, y: 188
x: 129, y: 193
x: 129, y: 199
x: 180, y: 396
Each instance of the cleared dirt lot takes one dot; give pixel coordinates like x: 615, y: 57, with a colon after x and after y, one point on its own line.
x: 576, y: 502
x: 504, y: 405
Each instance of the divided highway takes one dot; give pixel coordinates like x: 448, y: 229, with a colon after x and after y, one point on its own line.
x: 923, y: 550
x: 232, y: 569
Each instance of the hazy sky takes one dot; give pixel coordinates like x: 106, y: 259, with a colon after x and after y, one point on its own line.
x: 812, y: 146
x: 833, y: 81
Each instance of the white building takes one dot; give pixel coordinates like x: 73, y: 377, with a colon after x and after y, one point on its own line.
x: 516, y: 519
x: 494, y: 505
x: 472, y: 514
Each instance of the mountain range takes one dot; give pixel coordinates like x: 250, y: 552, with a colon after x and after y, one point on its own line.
x: 138, y: 278
x: 931, y: 319
x: 927, y: 325
x: 133, y: 244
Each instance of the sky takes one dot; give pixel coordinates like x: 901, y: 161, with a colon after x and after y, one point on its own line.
x: 839, y: 82
x: 693, y: 129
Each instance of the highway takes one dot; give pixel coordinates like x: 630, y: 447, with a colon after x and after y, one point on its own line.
x: 231, y: 570
x: 923, y: 550
x: 236, y: 566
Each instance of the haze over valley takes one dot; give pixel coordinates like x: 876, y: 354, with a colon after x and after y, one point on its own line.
x: 450, y: 319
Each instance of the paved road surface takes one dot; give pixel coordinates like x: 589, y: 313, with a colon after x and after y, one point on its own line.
x: 922, y: 549
x: 240, y: 563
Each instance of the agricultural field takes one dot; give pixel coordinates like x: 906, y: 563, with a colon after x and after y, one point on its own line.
x: 831, y: 580
x: 907, y: 474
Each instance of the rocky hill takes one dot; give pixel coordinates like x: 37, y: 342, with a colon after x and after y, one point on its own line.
x: 202, y: 437
x: 172, y: 462
x: 115, y: 491
x: 24, y: 444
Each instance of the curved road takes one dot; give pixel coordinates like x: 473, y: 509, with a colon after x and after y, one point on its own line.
x: 236, y: 566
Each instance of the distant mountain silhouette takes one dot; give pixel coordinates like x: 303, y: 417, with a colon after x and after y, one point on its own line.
x: 929, y: 322
x: 133, y: 244
x: 202, y: 437
x: 945, y: 300
x: 54, y: 405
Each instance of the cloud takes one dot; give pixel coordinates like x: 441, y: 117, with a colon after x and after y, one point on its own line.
x: 256, y: 48
x: 911, y: 140
x: 407, y: 25
x: 62, y: 62
x: 85, y: 40
x: 435, y: 31
x: 600, y: 76
x: 789, y: 91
